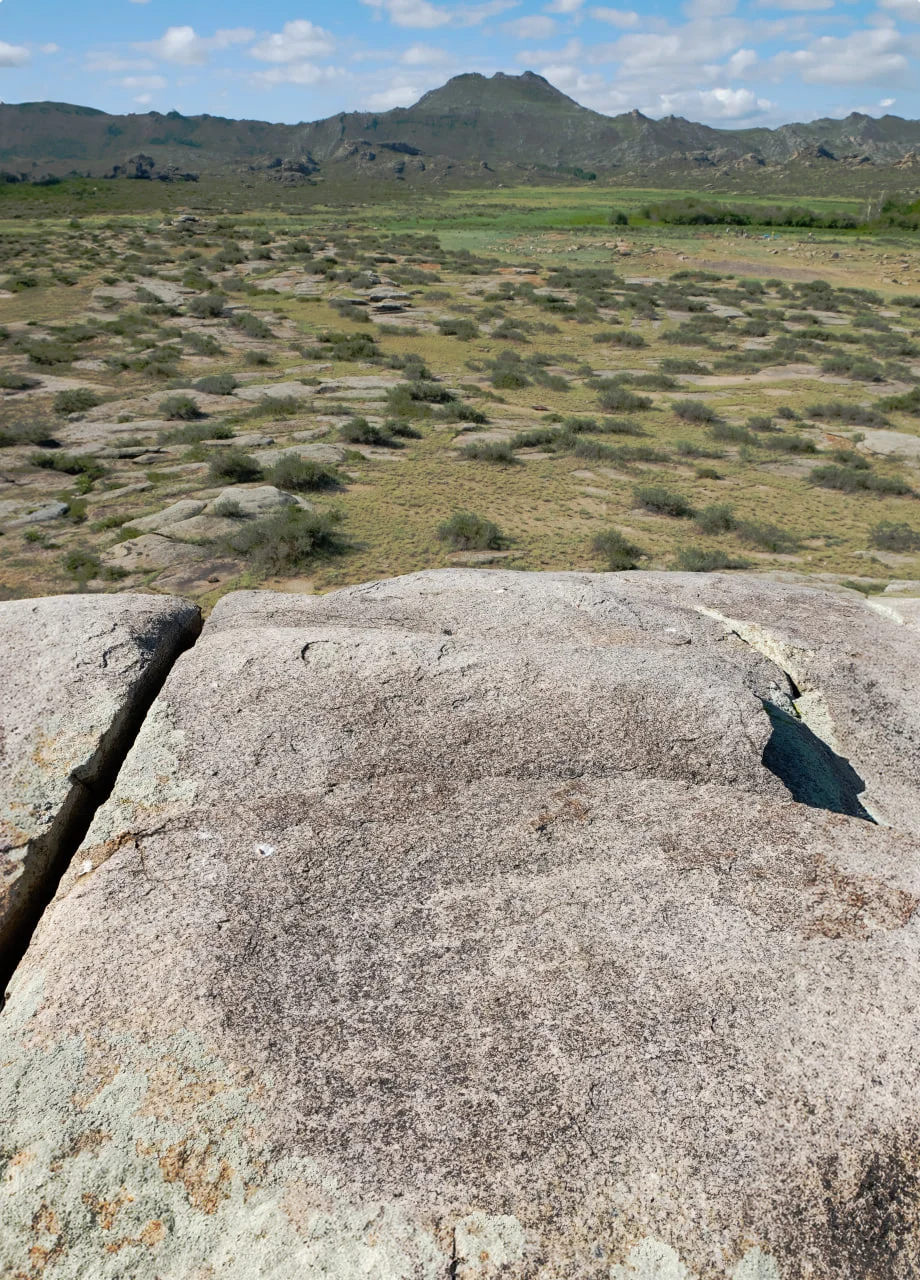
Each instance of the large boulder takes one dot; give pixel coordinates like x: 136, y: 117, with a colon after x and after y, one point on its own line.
x: 481, y: 924
x: 78, y: 675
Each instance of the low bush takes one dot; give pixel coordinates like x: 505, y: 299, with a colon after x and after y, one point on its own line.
x: 619, y: 399
x: 662, y: 501
x: 360, y: 431
x: 76, y: 401
x: 694, y: 411
x: 852, y: 414
x: 251, y: 325
x: 69, y: 464
x: 10, y: 381
x: 714, y: 519
x: 619, y: 554
x: 677, y: 364
x: 791, y: 444
x: 217, y: 384
x: 303, y: 475
x: 465, y: 531
x: 768, y: 537
x: 702, y: 560
x: 907, y: 403
x: 462, y: 329
x: 290, y: 540
x: 499, y: 452
x: 852, y: 480
x: 179, y: 409
x: 894, y: 537
x: 729, y: 432
x: 233, y: 466
x: 196, y: 432
x: 206, y: 306
x: 82, y: 564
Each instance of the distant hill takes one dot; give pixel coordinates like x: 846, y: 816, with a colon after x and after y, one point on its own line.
x: 472, y: 123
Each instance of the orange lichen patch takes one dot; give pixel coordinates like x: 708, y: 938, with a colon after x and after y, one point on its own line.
x: 48, y: 752
x: 91, y: 1140
x: 44, y: 1254
x: 150, y: 1236
x: 854, y: 907
x: 206, y: 1179
x: 568, y: 807
x: 12, y: 837
x: 106, y: 1211
x: 175, y: 1093
x: 100, y: 1069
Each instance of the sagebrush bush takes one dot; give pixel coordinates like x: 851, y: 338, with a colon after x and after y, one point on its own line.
x: 303, y: 475
x: 618, y: 552
x: 694, y: 411
x: 217, y: 384
x: 206, y: 306
x: 703, y: 560
x: 233, y: 466
x: 465, y: 531
x: 499, y: 452
x: 714, y: 519
x: 360, y: 431
x: 289, y: 540
x: 662, y: 501
x: 179, y: 409
x: 76, y: 401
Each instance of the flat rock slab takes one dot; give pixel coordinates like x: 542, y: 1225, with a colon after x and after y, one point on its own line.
x: 76, y: 672
x: 892, y: 442
x: 274, y: 391
x: 151, y: 551
x: 465, y: 925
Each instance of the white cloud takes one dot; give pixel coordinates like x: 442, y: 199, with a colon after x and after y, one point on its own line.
x: 908, y: 9
x: 533, y: 28
x: 424, y: 55
x: 13, y: 55
x: 295, y: 42
x: 111, y: 62
x: 143, y: 99
x: 715, y: 104
x: 50, y: 48
x: 741, y: 61
x: 139, y: 2
x: 616, y: 17
x: 410, y: 13
x: 143, y: 82
x: 307, y: 73
x: 184, y: 47
x: 873, y: 56
x: 564, y: 6
x: 400, y: 94
x: 801, y: 6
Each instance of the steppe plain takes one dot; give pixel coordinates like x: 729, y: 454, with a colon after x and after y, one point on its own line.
x: 323, y: 389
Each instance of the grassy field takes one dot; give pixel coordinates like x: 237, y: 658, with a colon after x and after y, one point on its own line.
x: 326, y: 388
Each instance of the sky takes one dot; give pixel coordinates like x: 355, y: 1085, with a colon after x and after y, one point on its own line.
x: 726, y: 62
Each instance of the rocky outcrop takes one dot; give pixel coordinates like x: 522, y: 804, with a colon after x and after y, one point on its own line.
x: 481, y: 924
x: 79, y: 673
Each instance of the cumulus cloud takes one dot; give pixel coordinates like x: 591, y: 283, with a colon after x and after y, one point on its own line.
x: 875, y: 56
x: 142, y: 82
x: 50, y: 48
x: 533, y: 28
x: 564, y: 6
x: 295, y: 42
x: 13, y: 55
x: 908, y: 9
x: 410, y: 13
x: 143, y: 99
x: 616, y: 17
x: 307, y: 73
x: 184, y: 47
x: 716, y: 104
x: 424, y: 55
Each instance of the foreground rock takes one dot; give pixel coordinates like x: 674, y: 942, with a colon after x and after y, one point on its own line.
x: 464, y: 925
x: 78, y: 674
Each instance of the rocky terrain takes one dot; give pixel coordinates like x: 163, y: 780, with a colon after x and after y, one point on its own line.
x: 470, y: 126
x: 470, y: 924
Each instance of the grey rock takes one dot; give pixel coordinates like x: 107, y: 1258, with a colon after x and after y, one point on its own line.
x: 47, y: 511
x: 466, y: 925
x: 273, y: 391
x: 260, y: 500
x: 203, y: 528
x: 151, y: 551
x: 178, y: 511
x: 77, y: 672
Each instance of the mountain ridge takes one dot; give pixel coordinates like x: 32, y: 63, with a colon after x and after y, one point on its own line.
x: 472, y: 120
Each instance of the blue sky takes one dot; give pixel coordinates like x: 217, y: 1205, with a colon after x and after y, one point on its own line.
x: 727, y: 62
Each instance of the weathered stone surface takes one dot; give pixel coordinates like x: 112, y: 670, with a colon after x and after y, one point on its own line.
x: 151, y: 551
x: 259, y: 500
x: 455, y: 926
x: 77, y: 672
x: 184, y: 509
x: 40, y: 514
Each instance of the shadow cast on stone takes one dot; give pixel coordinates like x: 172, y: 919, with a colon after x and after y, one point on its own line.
x: 813, y: 773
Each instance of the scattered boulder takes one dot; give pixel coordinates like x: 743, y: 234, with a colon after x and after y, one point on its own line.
x: 178, y: 511
x: 260, y: 500
x: 41, y: 514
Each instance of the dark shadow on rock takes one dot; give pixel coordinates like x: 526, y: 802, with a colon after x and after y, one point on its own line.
x: 814, y: 774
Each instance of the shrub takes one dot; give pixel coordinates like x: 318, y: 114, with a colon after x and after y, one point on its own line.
x: 662, y: 501
x: 360, y: 431
x: 769, y: 537
x: 10, y: 381
x: 701, y: 560
x: 759, y: 422
x: 676, y: 364
x: 206, y: 306
x: 399, y: 427
x: 180, y: 409
x: 852, y: 480
x: 727, y: 431
x: 82, y: 565
x: 715, y: 519
x: 618, y: 399
x: 694, y: 411
x: 289, y: 540
x: 618, y: 552
x: 217, y: 384
x: 496, y: 451
x: 196, y: 432
x: 76, y: 401
x: 256, y: 359
x: 908, y: 403
x: 69, y: 464
x: 622, y: 338
x: 894, y: 537
x: 302, y: 475
x: 251, y: 325
x: 509, y: 379
x: 462, y: 329
x: 460, y: 412
x: 233, y: 466
x: 857, y: 415
x: 791, y: 444
x: 465, y: 531
x: 50, y: 353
